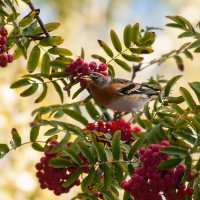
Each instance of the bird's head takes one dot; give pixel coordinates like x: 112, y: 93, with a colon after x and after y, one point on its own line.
x: 97, y: 78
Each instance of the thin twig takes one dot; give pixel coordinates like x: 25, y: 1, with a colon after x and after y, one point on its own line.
x: 39, y: 21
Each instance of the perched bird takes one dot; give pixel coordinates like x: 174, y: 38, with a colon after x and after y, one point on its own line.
x: 119, y: 94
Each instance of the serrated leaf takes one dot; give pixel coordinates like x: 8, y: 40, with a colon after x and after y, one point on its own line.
x: 28, y: 19
x: 76, y: 115
x: 43, y: 94
x: 128, y: 35
x: 88, y: 180
x: 72, y: 178
x: 31, y: 90
x: 49, y: 26
x: 100, y: 58
x: 60, y: 163
x: 116, y: 145
x: 165, y: 165
x: 58, y: 90
x: 170, y: 84
x: 188, y: 98
x: 196, y: 88
x: 137, y: 144
x: 16, y: 139
x: 51, y: 41
x: 92, y: 111
x: 135, y: 33
x: 34, y: 133
x: 60, y: 51
x: 123, y: 64
x: 45, y: 64
x: 85, y: 151
x: 179, y: 63
x: 62, y: 144
x: 115, y: 41
x: 33, y: 59
x: 20, y: 83
x: 173, y: 150
x: 73, y: 155
x: 106, y: 48
x: 36, y: 146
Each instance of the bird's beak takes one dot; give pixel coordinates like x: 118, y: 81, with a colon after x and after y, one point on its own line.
x: 86, y: 78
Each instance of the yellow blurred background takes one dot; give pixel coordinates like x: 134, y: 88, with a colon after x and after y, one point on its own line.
x: 82, y: 23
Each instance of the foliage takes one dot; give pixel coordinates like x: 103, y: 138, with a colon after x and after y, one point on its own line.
x: 102, y: 155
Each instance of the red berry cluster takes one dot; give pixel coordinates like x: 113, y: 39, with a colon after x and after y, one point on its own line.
x: 111, y: 127
x: 149, y: 183
x: 4, y: 57
x: 79, y: 68
x: 53, y: 178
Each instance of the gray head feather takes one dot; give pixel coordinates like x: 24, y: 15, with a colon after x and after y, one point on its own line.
x: 99, y: 79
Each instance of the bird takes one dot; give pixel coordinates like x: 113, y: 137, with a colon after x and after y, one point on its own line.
x: 119, y: 95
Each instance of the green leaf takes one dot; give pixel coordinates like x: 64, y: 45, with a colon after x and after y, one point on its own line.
x: 45, y: 64
x: 179, y: 62
x: 60, y: 51
x: 195, y: 44
x: 20, y: 83
x: 115, y: 40
x: 61, y: 145
x: 100, y: 58
x: 116, y: 145
x: 188, y: 163
x: 88, y: 180
x: 188, y: 98
x: 173, y: 150
x: 111, y: 70
x: 123, y: 64
x: 137, y: 144
x: 4, y: 148
x: 196, y: 191
x: 43, y: 94
x: 198, y: 165
x: 106, y: 48
x: 128, y: 35
x: 36, y: 146
x: 85, y: 151
x: 34, y: 133
x: 33, y: 59
x: 135, y: 33
x: 72, y: 178
x: 82, y: 53
x: 31, y: 90
x: 126, y: 196
x: 57, y: 64
x: 197, y: 50
x: 186, y: 34
x: 58, y: 90
x: 132, y: 58
x: 107, y: 177
x: 76, y: 115
x: 177, y: 108
x: 51, y: 41
x: 16, y: 139
x: 60, y: 163
x: 92, y: 111
x: 73, y: 155
x: 79, y: 91
x: 186, y: 135
x: 99, y: 147
x: 188, y: 54
x: 119, y: 172
x: 50, y: 27
x: 28, y: 19
x: 147, y: 112
x: 165, y: 165
x: 147, y: 39
x: 170, y: 84
x: 52, y: 131
x: 196, y: 88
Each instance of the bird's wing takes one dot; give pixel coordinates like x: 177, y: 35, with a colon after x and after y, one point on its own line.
x: 128, y: 88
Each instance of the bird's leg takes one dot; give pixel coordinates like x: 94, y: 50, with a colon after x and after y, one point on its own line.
x: 133, y: 118
x: 117, y: 116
